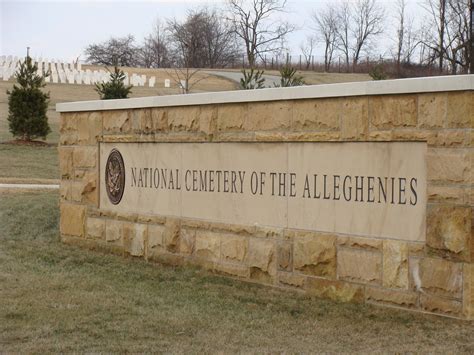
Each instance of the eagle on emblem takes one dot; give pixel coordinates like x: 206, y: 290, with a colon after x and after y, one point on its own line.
x: 113, y: 177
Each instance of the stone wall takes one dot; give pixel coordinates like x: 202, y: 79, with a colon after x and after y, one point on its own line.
x: 436, y: 276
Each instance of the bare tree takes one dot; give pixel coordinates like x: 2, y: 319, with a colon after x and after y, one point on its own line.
x: 155, y: 52
x: 436, y: 20
x: 400, y: 38
x: 203, y: 39
x: 117, y: 51
x: 326, y: 23
x: 343, y: 29
x: 255, y: 24
x: 405, y: 39
x: 457, y: 35
x: 307, y: 48
x: 219, y: 39
x: 367, y: 18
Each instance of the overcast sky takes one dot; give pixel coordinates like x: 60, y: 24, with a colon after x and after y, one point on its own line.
x: 61, y: 29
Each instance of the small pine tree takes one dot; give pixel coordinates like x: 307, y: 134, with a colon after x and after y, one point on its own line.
x: 115, y: 88
x: 252, y: 80
x: 27, y: 104
x: 378, y: 72
x: 289, y: 78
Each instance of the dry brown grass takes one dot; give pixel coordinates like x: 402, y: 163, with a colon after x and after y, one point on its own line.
x: 58, y: 298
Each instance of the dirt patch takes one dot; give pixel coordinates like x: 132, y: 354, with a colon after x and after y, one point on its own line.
x: 32, y: 143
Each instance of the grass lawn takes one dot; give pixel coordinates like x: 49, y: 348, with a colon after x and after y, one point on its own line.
x: 58, y: 298
x: 24, y: 162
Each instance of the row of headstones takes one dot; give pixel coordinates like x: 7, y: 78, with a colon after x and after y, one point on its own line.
x: 71, y: 73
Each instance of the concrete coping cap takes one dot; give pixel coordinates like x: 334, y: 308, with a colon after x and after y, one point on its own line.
x: 381, y: 87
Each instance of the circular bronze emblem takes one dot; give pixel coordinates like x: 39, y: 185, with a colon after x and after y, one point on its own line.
x: 115, y: 176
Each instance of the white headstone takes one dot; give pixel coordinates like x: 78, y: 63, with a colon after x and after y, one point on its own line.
x: 77, y: 77
x: 151, y: 82
x: 167, y: 83
x: 87, y: 77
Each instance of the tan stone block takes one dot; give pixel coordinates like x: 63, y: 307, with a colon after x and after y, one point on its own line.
x: 460, y: 109
x: 267, y: 232
x: 113, y: 231
x: 290, y: 279
x: 359, y: 243
x: 66, y: 162
x: 134, y: 236
x: 438, y: 277
x: 235, y: 137
x: 68, y: 138
x: 232, y: 270
x: 72, y: 219
x: 233, y: 248
x: 270, y: 136
x: 447, y: 194
x: 432, y: 110
x: 391, y: 297
x: 416, y: 249
x: 67, y: 122
x: 448, y: 165
x: 468, y: 291
x: 85, y: 157
x: 266, y: 116
x: 125, y: 216
x: 65, y: 190
x: 85, y: 190
x: 207, y: 246
x: 171, y: 235
x: 316, y: 114
x: 335, y: 290
x: 285, y: 256
x: 359, y: 266
x: 413, y: 135
x: 440, y: 305
x: 230, y: 117
x: 449, y: 139
x: 261, y: 256
x: 95, y: 228
x: 392, y: 111
x: 315, y: 254
x: 155, y: 245
x: 208, y: 119
x: 186, y: 241
x: 328, y: 136
x: 159, y: 117
x: 381, y: 136
x: 354, y: 118
x: 146, y: 120
x: 76, y: 189
x: 395, y: 264
x: 116, y: 121
x: 448, y: 229
x: 184, y: 118
x: 89, y: 128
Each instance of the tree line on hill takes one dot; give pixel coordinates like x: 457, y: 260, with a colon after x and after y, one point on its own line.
x: 249, y: 30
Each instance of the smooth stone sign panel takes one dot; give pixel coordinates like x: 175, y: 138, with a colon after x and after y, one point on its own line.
x: 371, y: 189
